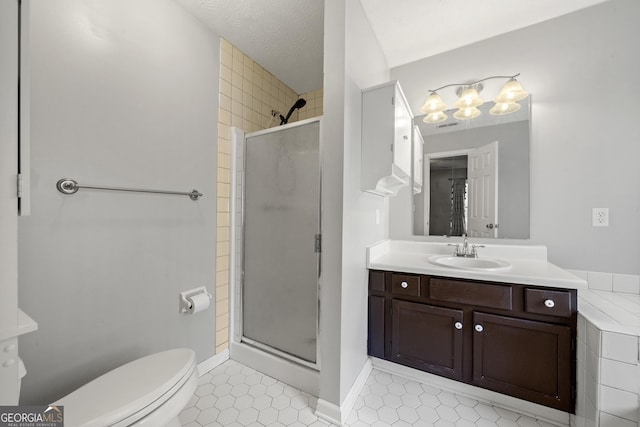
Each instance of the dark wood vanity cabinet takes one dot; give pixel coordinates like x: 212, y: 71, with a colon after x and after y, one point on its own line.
x: 514, y: 339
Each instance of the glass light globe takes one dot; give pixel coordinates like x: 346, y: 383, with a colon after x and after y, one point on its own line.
x: 467, y: 113
x: 512, y: 91
x: 437, y: 117
x: 504, y: 108
x: 433, y: 104
x: 468, y: 99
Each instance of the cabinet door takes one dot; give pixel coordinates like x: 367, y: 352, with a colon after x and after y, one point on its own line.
x: 523, y: 358
x: 427, y: 338
x: 403, y: 132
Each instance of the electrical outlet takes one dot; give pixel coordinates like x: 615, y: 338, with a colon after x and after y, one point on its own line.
x: 600, y: 217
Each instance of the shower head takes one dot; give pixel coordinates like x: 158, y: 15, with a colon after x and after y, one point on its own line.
x: 301, y: 102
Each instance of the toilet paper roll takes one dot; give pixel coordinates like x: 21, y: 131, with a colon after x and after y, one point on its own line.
x: 199, y: 302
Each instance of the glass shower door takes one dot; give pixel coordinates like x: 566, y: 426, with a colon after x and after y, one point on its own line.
x: 281, y: 221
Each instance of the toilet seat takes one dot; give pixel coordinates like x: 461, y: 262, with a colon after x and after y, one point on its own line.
x: 132, y: 391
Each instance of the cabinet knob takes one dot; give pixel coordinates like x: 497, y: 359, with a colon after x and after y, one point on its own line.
x: 458, y: 325
x: 549, y: 303
x: 479, y: 328
x: 9, y: 348
x: 8, y: 363
x: 404, y: 285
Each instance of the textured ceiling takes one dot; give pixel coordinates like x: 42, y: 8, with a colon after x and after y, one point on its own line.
x: 286, y: 36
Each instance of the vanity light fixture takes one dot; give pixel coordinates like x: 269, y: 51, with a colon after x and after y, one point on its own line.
x: 469, y: 100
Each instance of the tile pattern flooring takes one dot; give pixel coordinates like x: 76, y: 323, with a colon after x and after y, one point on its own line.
x: 235, y: 395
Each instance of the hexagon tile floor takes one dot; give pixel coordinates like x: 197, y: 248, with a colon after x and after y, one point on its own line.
x: 235, y: 395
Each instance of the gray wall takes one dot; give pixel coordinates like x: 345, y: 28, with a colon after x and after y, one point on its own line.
x: 584, y: 146
x: 124, y: 93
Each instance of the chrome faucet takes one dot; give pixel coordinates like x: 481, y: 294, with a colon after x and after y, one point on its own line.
x: 466, y: 250
x: 465, y: 245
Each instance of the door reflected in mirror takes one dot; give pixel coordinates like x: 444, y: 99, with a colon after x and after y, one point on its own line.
x: 448, y: 194
x: 476, y: 177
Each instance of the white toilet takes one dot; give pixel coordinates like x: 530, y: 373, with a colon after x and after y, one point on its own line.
x: 150, y: 391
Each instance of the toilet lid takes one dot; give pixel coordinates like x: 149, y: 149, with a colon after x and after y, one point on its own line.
x: 128, y: 389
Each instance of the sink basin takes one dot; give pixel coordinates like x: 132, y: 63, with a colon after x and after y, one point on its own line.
x: 477, y: 264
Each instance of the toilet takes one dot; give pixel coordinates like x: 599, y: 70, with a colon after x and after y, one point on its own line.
x: 147, y: 392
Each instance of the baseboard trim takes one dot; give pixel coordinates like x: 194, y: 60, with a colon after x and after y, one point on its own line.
x: 338, y: 414
x: 212, y: 362
x: 534, y: 410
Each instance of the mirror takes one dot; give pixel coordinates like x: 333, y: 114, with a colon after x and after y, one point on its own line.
x: 475, y: 177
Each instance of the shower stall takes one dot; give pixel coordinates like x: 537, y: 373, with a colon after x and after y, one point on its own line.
x: 276, y: 250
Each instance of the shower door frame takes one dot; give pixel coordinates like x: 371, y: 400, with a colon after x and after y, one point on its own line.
x: 238, y: 335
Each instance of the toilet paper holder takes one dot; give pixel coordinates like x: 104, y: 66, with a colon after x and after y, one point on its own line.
x: 186, y: 305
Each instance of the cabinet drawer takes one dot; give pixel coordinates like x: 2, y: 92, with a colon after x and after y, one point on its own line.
x: 551, y: 303
x: 404, y: 284
x: 473, y: 293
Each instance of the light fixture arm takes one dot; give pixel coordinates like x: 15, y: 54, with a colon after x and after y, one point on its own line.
x: 473, y: 83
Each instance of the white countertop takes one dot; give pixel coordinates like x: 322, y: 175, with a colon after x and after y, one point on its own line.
x: 529, y: 265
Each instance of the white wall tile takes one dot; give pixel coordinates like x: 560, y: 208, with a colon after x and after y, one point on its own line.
x: 576, y: 421
x: 593, y: 337
x: 590, y: 414
x: 581, y: 351
x: 581, y: 274
x: 619, y: 375
x: 618, y: 402
x: 600, y: 281
x: 608, y: 420
x: 591, y: 387
x: 582, y: 328
x: 628, y: 283
x: 621, y: 347
x: 579, y: 419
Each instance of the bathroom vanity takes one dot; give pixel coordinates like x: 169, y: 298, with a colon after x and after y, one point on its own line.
x: 511, y: 329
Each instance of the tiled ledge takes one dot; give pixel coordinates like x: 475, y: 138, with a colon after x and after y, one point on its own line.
x: 608, y: 376
x: 611, y: 311
x: 611, y: 302
x: 608, y: 351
